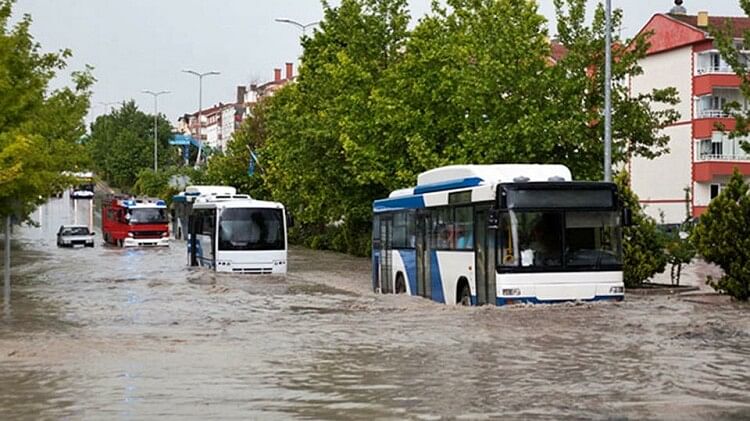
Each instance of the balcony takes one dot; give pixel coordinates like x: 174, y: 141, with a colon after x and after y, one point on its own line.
x: 711, y: 62
x: 722, y: 157
x: 711, y: 69
x: 709, y: 113
x: 706, y: 171
x: 705, y: 84
x: 705, y: 127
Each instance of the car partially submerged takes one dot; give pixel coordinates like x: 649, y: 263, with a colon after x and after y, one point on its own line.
x: 75, y: 236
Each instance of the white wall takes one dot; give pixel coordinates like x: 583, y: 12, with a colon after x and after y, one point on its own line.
x: 672, y: 68
x: 665, y: 178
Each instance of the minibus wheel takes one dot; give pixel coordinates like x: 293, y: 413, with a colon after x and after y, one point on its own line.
x: 464, y: 293
x: 400, y: 287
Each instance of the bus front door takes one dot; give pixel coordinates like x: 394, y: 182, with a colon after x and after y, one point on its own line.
x: 423, y: 256
x: 484, y: 248
x: 386, y: 260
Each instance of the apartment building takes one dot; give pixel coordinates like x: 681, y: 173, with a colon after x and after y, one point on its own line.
x: 701, y: 156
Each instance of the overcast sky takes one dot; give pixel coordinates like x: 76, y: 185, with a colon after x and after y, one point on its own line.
x: 143, y: 44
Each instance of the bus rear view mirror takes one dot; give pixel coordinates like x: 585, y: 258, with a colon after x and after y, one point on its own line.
x: 493, y: 219
x: 627, y: 217
x: 289, y: 221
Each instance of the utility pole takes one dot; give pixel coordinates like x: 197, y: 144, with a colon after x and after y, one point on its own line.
x: 608, y: 92
x: 156, y: 123
x: 200, y: 105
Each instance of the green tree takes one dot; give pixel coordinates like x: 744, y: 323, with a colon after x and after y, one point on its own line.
x: 310, y: 124
x: 722, y: 236
x: 375, y: 104
x: 575, y: 116
x: 39, y: 129
x: 643, y: 244
x: 121, y: 144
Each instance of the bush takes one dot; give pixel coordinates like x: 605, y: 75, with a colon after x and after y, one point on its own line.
x: 680, y: 249
x: 722, y: 237
x: 643, y: 244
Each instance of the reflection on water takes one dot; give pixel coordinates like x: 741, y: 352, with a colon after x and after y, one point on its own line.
x: 106, y: 332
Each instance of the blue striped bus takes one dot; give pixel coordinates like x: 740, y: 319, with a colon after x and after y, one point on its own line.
x: 500, y: 234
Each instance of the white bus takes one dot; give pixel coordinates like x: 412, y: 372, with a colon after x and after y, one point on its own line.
x: 234, y: 233
x: 182, y: 205
x: 500, y: 234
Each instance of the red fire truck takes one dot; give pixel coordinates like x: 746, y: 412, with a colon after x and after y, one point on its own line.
x: 128, y: 222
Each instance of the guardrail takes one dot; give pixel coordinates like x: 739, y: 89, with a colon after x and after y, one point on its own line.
x: 722, y: 157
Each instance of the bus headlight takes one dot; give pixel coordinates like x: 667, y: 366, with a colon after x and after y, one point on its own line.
x: 130, y: 234
x: 512, y: 291
x: 617, y: 290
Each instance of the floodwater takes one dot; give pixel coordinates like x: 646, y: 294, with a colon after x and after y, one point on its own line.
x: 134, y: 334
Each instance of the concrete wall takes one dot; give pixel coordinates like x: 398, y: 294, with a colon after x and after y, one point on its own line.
x: 660, y: 182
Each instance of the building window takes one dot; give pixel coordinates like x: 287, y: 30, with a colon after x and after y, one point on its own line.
x: 715, y: 190
x: 716, y: 147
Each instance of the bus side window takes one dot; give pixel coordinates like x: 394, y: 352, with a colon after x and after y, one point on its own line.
x: 376, y: 231
x: 442, y: 229
x: 411, y: 230
x: 207, y: 224
x: 197, y: 222
x: 399, y: 230
x: 464, y: 228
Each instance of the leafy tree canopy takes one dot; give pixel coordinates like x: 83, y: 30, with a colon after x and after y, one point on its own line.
x: 376, y: 103
x: 121, y: 144
x: 39, y: 129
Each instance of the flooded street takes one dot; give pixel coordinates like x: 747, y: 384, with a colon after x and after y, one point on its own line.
x: 135, y: 333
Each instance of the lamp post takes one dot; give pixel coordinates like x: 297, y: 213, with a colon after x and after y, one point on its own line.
x: 608, y: 92
x: 301, y: 26
x: 200, y: 104
x: 156, y: 124
x: 109, y: 104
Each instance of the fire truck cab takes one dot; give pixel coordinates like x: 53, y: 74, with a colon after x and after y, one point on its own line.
x: 130, y: 222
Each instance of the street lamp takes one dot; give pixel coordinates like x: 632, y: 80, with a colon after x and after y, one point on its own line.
x: 200, y: 103
x: 301, y: 26
x: 156, y: 123
x: 109, y: 104
x: 608, y: 92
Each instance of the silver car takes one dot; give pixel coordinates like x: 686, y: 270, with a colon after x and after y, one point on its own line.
x: 75, y: 235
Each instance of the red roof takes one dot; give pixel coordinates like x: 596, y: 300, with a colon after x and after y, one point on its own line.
x: 739, y: 24
x: 559, y: 51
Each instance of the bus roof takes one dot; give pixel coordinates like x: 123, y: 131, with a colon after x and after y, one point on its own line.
x: 208, y: 190
x: 454, y: 177
x: 234, y: 202
x: 496, y: 173
x: 433, y: 186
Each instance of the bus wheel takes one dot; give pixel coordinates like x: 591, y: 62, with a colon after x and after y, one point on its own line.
x: 464, y: 294
x: 400, y: 284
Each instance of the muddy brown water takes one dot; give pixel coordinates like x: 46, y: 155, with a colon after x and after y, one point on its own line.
x: 133, y: 334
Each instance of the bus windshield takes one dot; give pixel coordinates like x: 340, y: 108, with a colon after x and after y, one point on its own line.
x: 251, y: 229
x: 556, y: 239
x: 147, y: 216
